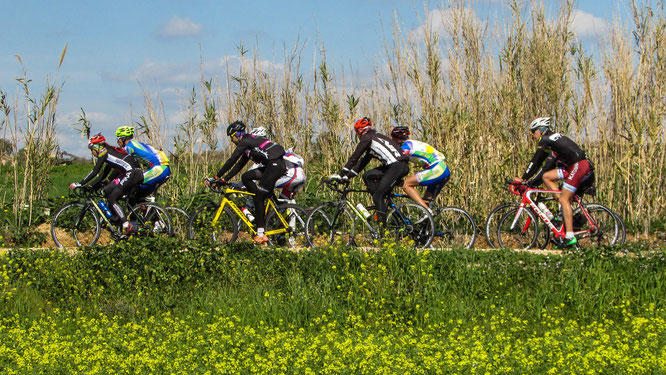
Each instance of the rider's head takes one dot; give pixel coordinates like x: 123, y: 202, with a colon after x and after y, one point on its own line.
x: 539, y: 126
x: 400, y: 133
x: 362, y: 125
x: 124, y: 134
x: 236, y: 131
x: 259, y: 132
x: 96, y: 144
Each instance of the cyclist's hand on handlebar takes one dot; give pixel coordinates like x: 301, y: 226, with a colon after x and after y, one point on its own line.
x: 337, y: 177
x: 517, y: 181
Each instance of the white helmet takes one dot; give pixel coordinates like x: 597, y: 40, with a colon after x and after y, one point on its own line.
x: 259, y: 132
x: 541, y: 122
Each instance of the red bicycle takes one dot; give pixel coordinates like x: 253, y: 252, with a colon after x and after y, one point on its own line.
x: 594, y: 224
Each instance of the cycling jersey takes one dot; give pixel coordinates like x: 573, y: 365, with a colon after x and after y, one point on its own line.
x: 422, y: 153
x: 258, y: 149
x: 146, y: 154
x: 373, y: 145
x: 566, y: 151
x: 111, y: 158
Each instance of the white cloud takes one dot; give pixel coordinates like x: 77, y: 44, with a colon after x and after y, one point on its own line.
x: 180, y: 27
x: 439, y: 20
x: 586, y: 24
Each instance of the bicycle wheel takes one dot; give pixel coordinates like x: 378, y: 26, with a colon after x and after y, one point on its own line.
x: 522, y: 235
x: 454, y: 228
x: 295, y: 217
x: 151, y: 220
x: 179, y: 221
x: 225, y: 229
x: 329, y: 223
x: 75, y: 224
x: 410, y: 222
x: 492, y: 223
x: 623, y: 230
x: 603, y: 229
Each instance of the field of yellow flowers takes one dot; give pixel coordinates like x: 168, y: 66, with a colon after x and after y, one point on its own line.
x: 145, y: 308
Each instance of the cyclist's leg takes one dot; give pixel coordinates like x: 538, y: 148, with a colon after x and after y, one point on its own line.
x: 552, y: 177
x: 433, y: 190
x: 373, y: 177
x: 573, y: 176
x: 291, y: 182
x: 434, y: 178
x: 122, y: 187
x: 409, y: 186
x: 394, y: 172
x: 274, y: 170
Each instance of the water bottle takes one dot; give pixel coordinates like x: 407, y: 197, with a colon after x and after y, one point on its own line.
x: 545, y: 210
x: 105, y: 209
x: 363, y: 210
x: 247, y: 213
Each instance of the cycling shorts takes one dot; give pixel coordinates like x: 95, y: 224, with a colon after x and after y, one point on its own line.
x: 434, y: 178
x: 574, y: 174
x: 155, y: 175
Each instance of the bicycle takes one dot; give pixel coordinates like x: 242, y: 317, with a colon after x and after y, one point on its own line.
x: 594, y: 224
x: 285, y: 222
x: 342, y: 222
x: 454, y: 227
x: 80, y: 223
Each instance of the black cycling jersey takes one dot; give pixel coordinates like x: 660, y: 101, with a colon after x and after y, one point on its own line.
x: 373, y: 145
x: 114, y: 159
x: 565, y: 150
x: 258, y: 149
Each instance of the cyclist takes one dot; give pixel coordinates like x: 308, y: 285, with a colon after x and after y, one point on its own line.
x: 380, y: 180
x: 576, y: 170
x: 263, y: 151
x: 122, y: 169
x: 155, y: 161
x: 294, y: 179
x: 436, y: 173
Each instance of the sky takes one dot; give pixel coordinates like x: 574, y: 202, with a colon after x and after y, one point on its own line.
x: 115, y: 48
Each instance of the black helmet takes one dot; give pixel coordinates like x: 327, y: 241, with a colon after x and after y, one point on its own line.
x: 235, y: 127
x: 400, y: 132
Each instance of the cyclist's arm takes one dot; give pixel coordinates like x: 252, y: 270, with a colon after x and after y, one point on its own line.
x: 241, y: 163
x: 361, y: 148
x: 537, y: 159
x: 548, y: 165
x: 238, y: 152
x: 102, y: 176
x: 360, y: 165
x: 98, y: 166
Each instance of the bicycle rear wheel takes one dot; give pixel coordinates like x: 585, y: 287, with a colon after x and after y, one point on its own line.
x: 492, y: 223
x: 454, y: 228
x: 179, y: 221
x: 412, y: 222
x: 295, y: 216
x: 522, y: 235
x: 224, y: 231
x: 75, y: 224
x: 151, y: 220
x: 604, y: 228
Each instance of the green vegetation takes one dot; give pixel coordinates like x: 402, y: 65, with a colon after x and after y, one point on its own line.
x: 146, y: 307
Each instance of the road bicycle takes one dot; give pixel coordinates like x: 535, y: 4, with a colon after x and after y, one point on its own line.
x: 342, y: 222
x: 220, y: 222
x: 81, y: 223
x: 594, y: 224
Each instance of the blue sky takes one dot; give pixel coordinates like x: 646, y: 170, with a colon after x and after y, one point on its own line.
x: 111, y: 45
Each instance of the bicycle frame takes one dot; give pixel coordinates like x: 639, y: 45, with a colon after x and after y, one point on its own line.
x: 270, y: 204
x: 527, y: 201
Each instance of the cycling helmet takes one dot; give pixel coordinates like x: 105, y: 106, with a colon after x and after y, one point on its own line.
x: 96, y: 141
x: 236, y: 127
x: 259, y: 132
x: 362, y: 123
x: 125, y: 132
x: 541, y: 123
x: 400, y: 132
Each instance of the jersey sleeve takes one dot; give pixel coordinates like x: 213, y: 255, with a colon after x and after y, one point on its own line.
x: 538, y: 158
x: 361, y: 148
x: 98, y: 166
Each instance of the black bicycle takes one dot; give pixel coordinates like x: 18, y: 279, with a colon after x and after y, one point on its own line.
x: 81, y: 223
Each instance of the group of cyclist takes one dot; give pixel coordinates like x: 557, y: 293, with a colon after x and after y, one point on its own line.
x: 276, y: 167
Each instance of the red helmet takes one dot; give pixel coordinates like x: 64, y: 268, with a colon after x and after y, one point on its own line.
x: 96, y: 141
x: 362, y: 123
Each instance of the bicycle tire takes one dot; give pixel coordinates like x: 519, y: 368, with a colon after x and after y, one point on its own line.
x: 608, y: 230
x: 495, y: 215
x: 324, y: 228
x: 296, y: 217
x: 200, y: 225
x: 411, y: 221
x: 524, y: 234
x: 151, y: 220
x: 180, y: 221
x: 75, y: 224
x: 454, y: 228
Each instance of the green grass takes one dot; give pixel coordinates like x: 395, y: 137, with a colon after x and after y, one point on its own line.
x: 60, y: 178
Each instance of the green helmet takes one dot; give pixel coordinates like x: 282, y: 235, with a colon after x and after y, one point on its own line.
x: 125, y: 132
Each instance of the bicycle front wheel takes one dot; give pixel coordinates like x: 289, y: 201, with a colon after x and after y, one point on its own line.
x: 521, y: 235
x: 602, y: 229
x: 223, y: 231
x: 454, y: 228
x: 329, y: 223
x: 294, y: 217
x: 75, y: 224
x: 151, y: 220
x: 413, y: 222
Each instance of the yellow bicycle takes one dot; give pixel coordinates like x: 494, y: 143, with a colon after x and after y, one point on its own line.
x: 285, y: 222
